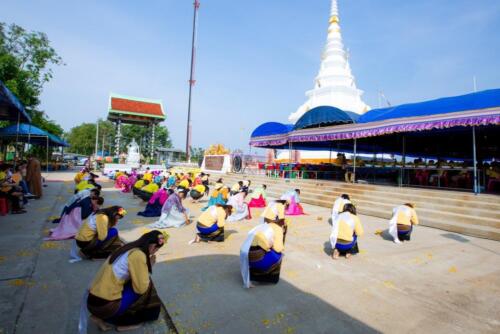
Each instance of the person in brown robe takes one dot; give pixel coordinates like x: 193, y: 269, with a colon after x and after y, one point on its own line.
x: 34, y: 177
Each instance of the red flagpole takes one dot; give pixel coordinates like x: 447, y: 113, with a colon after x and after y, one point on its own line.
x: 192, y: 81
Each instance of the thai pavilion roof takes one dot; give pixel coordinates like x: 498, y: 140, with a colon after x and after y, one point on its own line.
x: 135, y: 109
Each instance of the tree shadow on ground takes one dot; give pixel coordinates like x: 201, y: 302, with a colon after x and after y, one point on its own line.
x: 204, y: 294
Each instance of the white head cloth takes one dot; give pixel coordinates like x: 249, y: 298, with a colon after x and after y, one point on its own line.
x: 338, y: 206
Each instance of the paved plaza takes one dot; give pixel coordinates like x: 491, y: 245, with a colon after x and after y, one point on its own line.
x: 440, y: 282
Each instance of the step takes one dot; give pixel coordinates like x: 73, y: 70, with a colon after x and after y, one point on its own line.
x: 450, y: 210
x: 442, y: 224
x: 438, y: 203
x: 473, y: 201
x: 385, y: 209
x: 487, y: 198
x: 414, y: 193
x: 397, y: 200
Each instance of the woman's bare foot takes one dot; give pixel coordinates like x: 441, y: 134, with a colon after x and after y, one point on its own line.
x: 348, y: 256
x: 195, y: 240
x: 128, y: 328
x: 335, y: 254
x: 103, y: 326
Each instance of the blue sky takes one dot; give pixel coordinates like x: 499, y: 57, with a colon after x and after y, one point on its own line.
x: 256, y: 58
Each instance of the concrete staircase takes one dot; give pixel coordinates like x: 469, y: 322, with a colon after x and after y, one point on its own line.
x: 465, y: 213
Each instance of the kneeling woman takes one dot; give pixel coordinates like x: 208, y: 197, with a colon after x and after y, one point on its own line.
x: 402, y: 221
x: 262, y: 251
x: 173, y: 213
x: 147, y: 191
x: 241, y: 210
x: 122, y: 293
x: 346, y: 228
x: 219, y: 195
x: 294, y: 208
x: 198, y: 191
x: 258, y: 197
x: 98, y: 237
x: 74, y: 216
x: 211, y: 223
x: 155, y: 203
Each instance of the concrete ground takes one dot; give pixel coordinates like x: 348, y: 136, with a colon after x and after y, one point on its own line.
x: 440, y: 282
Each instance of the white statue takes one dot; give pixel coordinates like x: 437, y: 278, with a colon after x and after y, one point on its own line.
x: 133, y: 155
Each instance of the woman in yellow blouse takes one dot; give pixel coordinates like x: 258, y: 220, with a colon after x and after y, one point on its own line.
x: 197, y: 192
x: 146, y: 191
x: 211, y: 223
x: 219, y: 195
x: 402, y: 221
x: 186, y: 184
x: 262, y: 251
x: 80, y: 175
x: 346, y: 228
x: 98, y: 237
x: 122, y: 293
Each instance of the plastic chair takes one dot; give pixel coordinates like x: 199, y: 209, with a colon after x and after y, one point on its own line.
x: 4, y: 206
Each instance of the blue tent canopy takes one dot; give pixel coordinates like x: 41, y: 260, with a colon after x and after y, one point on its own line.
x: 10, y: 107
x: 272, y: 128
x: 474, y: 101
x: 32, y: 134
x: 324, y: 116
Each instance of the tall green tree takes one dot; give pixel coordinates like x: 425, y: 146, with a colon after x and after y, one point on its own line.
x: 82, y: 137
x: 26, y: 60
x: 141, y: 135
x: 197, y: 154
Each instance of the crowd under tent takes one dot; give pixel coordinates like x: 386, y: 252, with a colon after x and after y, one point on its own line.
x: 452, y: 128
x: 31, y: 135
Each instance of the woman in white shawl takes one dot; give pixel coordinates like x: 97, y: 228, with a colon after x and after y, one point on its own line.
x: 338, y: 206
x: 262, y: 252
x: 292, y: 197
x: 346, y: 228
x: 241, y: 210
x: 173, y: 213
x: 402, y: 221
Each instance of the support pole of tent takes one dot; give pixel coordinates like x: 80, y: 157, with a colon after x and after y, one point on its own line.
x: 17, y: 136
x: 29, y: 137
x: 403, y: 160
x: 289, y: 152
x: 354, y: 161
x: 330, y: 158
x: 47, y: 155
x: 474, y: 159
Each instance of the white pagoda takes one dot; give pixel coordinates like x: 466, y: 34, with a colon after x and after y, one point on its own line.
x: 334, y: 85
